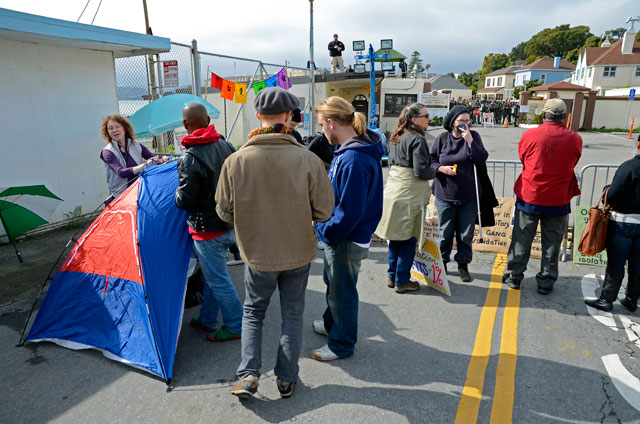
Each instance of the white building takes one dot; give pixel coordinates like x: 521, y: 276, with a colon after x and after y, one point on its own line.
x: 610, y: 65
x: 57, y: 82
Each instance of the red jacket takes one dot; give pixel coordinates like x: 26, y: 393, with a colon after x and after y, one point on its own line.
x: 548, y: 154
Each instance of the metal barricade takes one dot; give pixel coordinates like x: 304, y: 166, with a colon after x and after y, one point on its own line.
x: 593, y: 186
x: 501, y: 172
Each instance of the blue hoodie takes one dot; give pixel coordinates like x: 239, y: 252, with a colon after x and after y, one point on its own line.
x: 356, y: 176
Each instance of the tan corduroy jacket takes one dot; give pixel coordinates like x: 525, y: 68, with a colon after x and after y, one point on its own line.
x: 271, y: 190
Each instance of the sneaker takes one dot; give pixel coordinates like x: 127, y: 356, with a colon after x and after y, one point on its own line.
x: 324, y: 354
x: 285, y: 387
x: 318, y: 327
x: 463, y: 272
x: 223, y: 335
x: 513, y: 284
x: 599, y: 303
x: 246, y: 387
x: 390, y: 283
x: 233, y: 262
x: 197, y: 323
x: 412, y: 286
x: 320, y: 245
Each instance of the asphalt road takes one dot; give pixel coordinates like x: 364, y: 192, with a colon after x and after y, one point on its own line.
x: 484, y: 354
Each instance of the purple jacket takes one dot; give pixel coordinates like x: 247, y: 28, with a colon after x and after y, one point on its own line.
x: 461, y: 187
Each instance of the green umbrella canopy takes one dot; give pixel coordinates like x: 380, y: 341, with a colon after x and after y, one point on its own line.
x: 394, y: 55
x: 25, y: 208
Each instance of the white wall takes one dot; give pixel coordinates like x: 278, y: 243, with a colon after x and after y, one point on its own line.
x: 613, y: 113
x: 53, y: 100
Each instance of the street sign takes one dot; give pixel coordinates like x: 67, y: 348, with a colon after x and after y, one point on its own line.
x: 632, y: 94
x: 170, y: 73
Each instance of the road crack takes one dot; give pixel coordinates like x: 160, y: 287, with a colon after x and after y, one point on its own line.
x: 607, y: 406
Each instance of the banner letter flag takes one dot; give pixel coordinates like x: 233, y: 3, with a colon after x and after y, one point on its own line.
x: 216, y: 81
x: 228, y: 89
x: 241, y: 93
x: 272, y: 81
x: 283, y: 79
x: 257, y: 86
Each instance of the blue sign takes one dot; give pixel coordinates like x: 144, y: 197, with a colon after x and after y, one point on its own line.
x: 632, y: 94
x: 305, y: 122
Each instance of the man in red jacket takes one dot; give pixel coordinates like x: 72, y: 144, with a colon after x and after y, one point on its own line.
x: 543, y: 191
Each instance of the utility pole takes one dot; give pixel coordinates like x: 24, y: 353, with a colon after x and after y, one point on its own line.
x: 312, y: 68
x: 152, y: 72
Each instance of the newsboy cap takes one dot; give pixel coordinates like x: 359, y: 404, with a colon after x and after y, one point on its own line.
x: 555, y: 107
x: 275, y: 100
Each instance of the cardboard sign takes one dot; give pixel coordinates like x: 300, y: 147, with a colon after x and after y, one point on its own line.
x: 599, y: 259
x: 496, y: 239
x: 428, y: 268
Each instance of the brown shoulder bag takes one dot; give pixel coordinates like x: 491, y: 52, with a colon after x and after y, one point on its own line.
x: 594, y: 235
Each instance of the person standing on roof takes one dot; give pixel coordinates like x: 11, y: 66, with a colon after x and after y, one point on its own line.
x: 336, y: 48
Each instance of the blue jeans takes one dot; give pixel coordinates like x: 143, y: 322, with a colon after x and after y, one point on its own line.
x: 341, y: 269
x: 219, y: 293
x: 259, y: 286
x: 400, y: 259
x: 459, y: 219
x: 623, y: 245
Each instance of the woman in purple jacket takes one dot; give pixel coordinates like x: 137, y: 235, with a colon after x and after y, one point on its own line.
x: 453, y: 156
x: 123, y: 157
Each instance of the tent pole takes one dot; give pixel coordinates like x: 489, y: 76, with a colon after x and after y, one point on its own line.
x: 6, y: 230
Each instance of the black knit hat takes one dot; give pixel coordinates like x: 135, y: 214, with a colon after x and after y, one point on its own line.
x: 275, y: 100
x: 452, y: 115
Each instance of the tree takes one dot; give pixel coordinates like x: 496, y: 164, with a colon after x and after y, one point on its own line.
x: 557, y: 41
x: 593, y: 41
x: 615, y: 34
x: 470, y: 80
x: 518, y: 53
x: 415, y: 60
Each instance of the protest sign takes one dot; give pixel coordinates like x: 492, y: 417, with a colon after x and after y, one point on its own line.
x: 428, y: 268
x: 581, y: 218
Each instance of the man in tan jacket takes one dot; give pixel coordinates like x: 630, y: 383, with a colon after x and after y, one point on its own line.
x: 271, y: 190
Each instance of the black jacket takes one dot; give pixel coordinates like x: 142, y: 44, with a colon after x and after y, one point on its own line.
x: 319, y: 145
x: 333, y: 51
x: 624, y: 192
x: 198, y: 171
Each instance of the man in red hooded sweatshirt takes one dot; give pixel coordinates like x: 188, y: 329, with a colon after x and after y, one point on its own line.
x: 199, y: 170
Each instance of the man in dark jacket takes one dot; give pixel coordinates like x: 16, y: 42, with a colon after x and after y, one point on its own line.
x: 336, y: 47
x: 199, y: 170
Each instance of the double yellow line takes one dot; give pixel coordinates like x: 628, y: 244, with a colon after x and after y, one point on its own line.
x: 502, y: 407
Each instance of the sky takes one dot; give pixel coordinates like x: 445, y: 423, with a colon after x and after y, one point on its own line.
x: 451, y: 36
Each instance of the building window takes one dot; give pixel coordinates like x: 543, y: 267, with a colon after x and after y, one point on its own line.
x: 590, y: 69
x: 488, y: 82
x: 581, y: 73
x: 394, y: 103
x: 499, y: 96
x: 543, y: 77
x: 609, y: 71
x: 499, y: 81
x: 638, y: 71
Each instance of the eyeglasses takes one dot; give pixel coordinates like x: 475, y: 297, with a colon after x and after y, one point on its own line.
x: 426, y: 115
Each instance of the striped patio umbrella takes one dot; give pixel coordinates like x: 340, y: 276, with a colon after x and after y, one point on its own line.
x: 24, y: 208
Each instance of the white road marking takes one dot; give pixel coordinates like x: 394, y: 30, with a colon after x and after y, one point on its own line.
x: 628, y: 385
x: 590, y: 284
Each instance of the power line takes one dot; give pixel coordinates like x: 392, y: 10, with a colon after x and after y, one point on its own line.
x: 96, y: 14
x: 85, y: 8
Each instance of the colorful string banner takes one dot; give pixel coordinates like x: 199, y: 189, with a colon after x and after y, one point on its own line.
x: 230, y: 90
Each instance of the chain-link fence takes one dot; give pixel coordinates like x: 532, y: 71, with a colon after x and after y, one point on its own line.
x: 141, y: 80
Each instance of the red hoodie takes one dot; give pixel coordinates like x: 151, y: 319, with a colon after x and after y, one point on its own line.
x: 202, y: 136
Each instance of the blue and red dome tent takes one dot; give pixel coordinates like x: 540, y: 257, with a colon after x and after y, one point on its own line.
x: 121, y: 289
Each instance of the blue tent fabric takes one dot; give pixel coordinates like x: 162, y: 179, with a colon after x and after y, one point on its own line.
x: 92, y: 310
